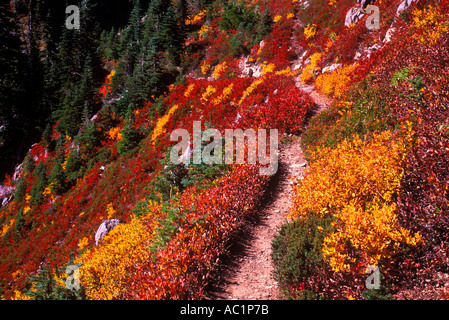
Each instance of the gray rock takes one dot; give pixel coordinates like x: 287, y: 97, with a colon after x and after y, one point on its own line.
x: 404, y: 5
x: 354, y: 15
x: 104, y: 229
x: 331, y: 68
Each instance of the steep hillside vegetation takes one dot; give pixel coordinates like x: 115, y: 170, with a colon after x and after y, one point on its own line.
x: 375, y: 194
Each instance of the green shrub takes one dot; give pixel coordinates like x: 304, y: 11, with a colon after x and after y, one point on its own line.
x: 297, y: 255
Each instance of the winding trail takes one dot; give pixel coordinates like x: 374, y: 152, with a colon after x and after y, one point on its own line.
x: 246, y: 274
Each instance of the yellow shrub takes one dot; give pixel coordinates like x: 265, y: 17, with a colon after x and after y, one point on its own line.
x: 267, y: 68
x: 310, y: 31
x: 123, y: 251
x: 334, y: 83
x: 159, y: 129
x: 250, y: 89
x: 196, y: 19
x: 115, y: 134
x: 189, y: 90
x: 277, y: 18
x: 429, y: 23
x: 205, y: 67
x: 219, y: 70
x: 307, y: 73
x: 210, y: 90
x: 356, y: 182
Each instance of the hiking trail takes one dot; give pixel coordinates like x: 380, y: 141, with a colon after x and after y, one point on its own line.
x: 246, y: 274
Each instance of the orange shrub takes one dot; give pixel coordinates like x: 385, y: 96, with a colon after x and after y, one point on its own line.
x: 334, y: 83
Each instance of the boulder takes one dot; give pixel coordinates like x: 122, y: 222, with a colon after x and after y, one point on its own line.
x: 354, y: 15
x: 404, y: 5
x: 104, y: 229
x: 389, y: 35
x: 331, y: 68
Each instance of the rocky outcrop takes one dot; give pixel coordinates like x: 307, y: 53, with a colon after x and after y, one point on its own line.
x: 104, y: 229
x: 404, y: 5
x: 354, y: 15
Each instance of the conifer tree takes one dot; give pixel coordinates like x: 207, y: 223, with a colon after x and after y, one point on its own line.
x: 130, y: 135
x: 40, y: 185
x: 57, y: 177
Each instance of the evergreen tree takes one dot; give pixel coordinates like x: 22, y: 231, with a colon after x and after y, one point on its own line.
x: 40, y: 185
x: 73, y: 168
x: 57, y: 177
x: 130, y: 135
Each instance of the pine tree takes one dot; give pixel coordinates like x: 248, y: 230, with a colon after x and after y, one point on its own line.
x: 73, y: 168
x: 130, y: 136
x: 57, y: 177
x: 41, y: 183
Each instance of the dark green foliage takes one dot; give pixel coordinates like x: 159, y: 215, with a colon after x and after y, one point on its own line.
x: 130, y: 136
x: 20, y: 189
x: 168, y: 182
x: 168, y: 226
x: 202, y: 175
x: 40, y: 185
x: 238, y: 15
x: 45, y: 287
x: 297, y: 253
x: 369, y: 113
x: 47, y: 139
x: 377, y: 294
x: 89, y: 138
x: 56, y: 178
x: 246, y: 25
x: 73, y: 168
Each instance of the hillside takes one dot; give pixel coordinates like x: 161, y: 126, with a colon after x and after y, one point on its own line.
x: 101, y: 111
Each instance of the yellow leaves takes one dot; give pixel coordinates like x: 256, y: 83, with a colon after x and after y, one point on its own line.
x: 219, y: 70
x: 115, y: 133
x: 107, y: 268
x: 286, y: 72
x: 110, y: 75
x: 307, y: 73
x: 356, y: 182
x: 250, y: 89
x: 290, y: 15
x: 429, y: 24
x: 204, y: 31
x: 205, y: 67
x: 159, y: 128
x: 374, y: 231
x: 334, y: 83
x: 332, y: 3
x: 210, y: 90
x: 226, y: 93
x: 196, y: 18
x: 21, y: 296
x: 310, y: 31
x: 267, y: 68
x: 277, y: 18
x: 189, y: 90
x: 82, y: 243
x: 110, y: 211
x: 7, y: 226
x: 228, y: 90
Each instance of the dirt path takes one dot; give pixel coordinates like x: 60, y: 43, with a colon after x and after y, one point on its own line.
x: 247, y: 272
